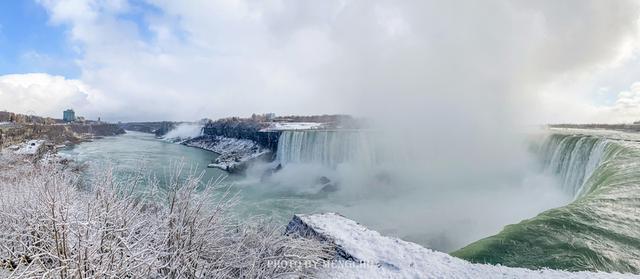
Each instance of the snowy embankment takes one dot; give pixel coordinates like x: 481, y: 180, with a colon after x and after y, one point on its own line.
x: 234, y: 153
x: 31, y: 147
x: 282, y: 126
x: 364, y: 253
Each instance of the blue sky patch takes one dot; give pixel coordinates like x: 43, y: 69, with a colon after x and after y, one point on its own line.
x: 29, y: 43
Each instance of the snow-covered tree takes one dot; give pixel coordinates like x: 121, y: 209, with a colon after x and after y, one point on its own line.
x: 55, y: 225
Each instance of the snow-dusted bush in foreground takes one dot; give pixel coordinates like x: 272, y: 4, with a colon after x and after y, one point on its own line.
x: 54, y: 226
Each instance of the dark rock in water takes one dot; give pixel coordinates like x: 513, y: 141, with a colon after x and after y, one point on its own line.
x: 269, y: 172
x: 329, y: 188
x: 323, y: 180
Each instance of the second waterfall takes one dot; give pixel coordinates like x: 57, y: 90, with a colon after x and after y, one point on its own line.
x: 327, y: 148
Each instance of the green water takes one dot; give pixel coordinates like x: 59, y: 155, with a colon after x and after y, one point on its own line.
x: 599, y: 230
x: 134, y: 152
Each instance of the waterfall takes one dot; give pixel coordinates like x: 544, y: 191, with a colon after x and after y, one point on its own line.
x: 327, y: 148
x: 573, y: 159
x: 599, y: 230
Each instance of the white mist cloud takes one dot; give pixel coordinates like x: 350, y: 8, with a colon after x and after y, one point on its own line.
x: 184, y: 131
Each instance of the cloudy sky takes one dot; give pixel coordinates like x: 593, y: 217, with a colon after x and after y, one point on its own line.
x: 526, y: 61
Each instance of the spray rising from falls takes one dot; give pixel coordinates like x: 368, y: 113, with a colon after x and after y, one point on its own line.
x: 326, y: 148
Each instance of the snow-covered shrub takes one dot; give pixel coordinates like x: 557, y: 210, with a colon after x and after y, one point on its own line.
x: 52, y: 226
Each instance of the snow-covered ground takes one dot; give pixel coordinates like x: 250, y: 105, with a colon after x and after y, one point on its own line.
x: 364, y: 253
x: 8, y: 125
x: 279, y: 126
x: 31, y: 147
x: 233, y: 152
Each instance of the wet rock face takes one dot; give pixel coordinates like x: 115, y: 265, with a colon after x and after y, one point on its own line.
x: 244, y: 129
x: 97, y: 130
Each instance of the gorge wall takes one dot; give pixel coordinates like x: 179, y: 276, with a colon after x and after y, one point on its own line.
x: 159, y: 128
x: 55, y: 133
x: 244, y: 129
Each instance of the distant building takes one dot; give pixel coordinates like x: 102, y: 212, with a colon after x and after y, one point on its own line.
x: 69, y: 115
x: 270, y: 116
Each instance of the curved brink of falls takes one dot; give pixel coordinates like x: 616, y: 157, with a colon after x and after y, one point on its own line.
x: 600, y: 230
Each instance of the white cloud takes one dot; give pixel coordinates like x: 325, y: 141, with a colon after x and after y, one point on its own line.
x: 460, y: 60
x: 571, y: 108
x: 44, y: 94
x: 626, y: 107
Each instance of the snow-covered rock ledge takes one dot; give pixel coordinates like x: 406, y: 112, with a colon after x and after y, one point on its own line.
x: 30, y: 147
x: 364, y: 253
x: 234, y: 153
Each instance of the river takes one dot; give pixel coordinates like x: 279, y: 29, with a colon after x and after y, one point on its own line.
x: 396, y: 199
x: 135, y: 152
